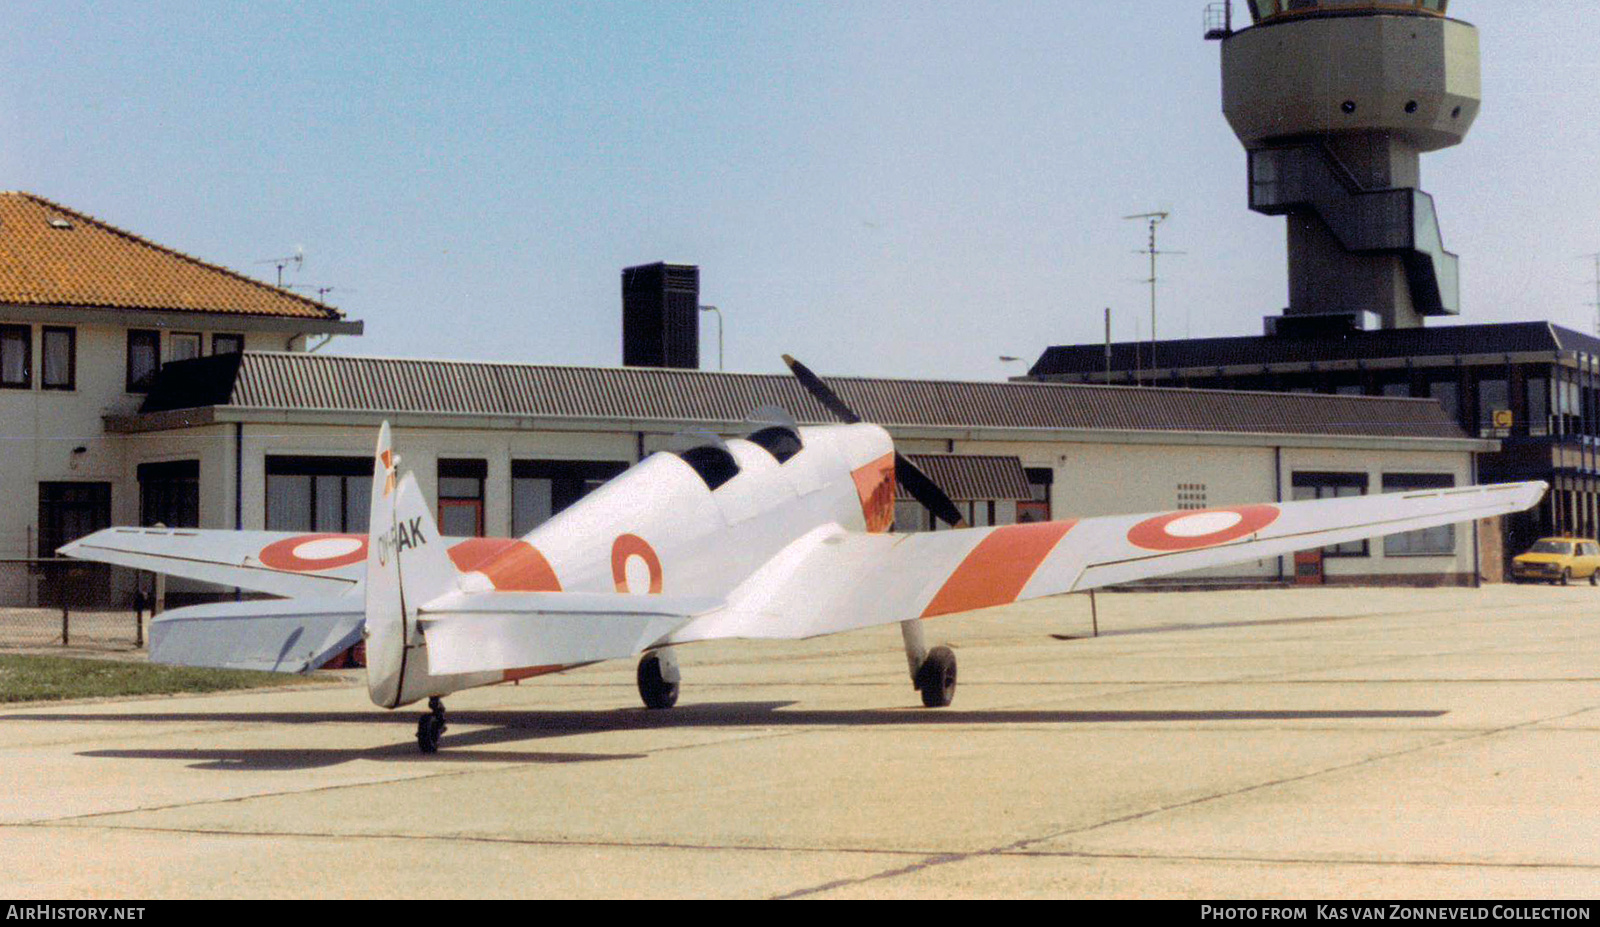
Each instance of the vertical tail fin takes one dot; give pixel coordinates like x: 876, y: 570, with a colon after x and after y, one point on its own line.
x: 407, y: 566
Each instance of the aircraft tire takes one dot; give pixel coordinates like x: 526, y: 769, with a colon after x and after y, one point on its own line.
x: 653, y: 690
x: 430, y: 727
x: 936, y: 679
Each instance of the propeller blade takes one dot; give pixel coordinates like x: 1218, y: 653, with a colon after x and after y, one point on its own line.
x: 821, y: 392
x: 916, y: 482
x: 927, y: 492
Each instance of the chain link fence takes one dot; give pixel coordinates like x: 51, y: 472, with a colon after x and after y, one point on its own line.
x: 70, y: 603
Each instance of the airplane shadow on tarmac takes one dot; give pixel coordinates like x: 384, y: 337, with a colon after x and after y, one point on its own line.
x: 476, y: 729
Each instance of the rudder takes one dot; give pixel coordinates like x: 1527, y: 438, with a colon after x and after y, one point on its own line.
x: 406, y: 567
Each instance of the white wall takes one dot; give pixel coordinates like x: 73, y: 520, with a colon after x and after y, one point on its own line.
x: 1375, y: 465
x: 39, y: 429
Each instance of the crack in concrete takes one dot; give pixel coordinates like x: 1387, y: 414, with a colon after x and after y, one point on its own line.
x: 1017, y: 846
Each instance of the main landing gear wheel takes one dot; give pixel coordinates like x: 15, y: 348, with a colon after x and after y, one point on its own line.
x: 936, y: 680
x: 431, y: 726
x: 653, y: 689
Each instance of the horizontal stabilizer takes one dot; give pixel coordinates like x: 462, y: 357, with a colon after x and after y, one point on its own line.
x: 279, y: 636
x: 481, y: 632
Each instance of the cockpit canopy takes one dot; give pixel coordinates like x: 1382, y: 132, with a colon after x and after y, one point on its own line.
x: 774, y: 429
x: 1271, y: 10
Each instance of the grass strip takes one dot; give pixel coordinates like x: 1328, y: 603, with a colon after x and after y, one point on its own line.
x: 30, y: 678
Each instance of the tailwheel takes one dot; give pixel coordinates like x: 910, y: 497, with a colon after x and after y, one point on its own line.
x: 936, y: 679
x: 431, y: 726
x: 654, y: 688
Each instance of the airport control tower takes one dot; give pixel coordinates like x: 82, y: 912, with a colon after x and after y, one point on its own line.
x: 1335, y: 100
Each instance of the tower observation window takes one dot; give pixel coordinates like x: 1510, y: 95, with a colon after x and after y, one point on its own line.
x: 1267, y: 9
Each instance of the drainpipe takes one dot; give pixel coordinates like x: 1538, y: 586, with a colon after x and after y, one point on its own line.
x: 1477, y: 568
x: 238, y: 489
x: 1277, y: 491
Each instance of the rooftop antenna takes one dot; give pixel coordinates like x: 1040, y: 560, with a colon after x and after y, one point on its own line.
x: 1108, y: 345
x: 1596, y: 304
x: 298, y: 259
x: 321, y: 291
x: 1154, y: 219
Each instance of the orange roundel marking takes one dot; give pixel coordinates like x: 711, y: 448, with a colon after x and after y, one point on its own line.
x: 1202, y: 528
x: 875, y: 486
x: 997, y: 569
x: 631, y: 545
x: 511, y: 565
x: 305, y: 553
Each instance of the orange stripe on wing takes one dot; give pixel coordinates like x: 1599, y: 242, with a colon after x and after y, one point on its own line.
x: 997, y: 569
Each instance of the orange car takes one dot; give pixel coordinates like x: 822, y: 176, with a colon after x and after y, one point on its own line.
x: 1558, y: 560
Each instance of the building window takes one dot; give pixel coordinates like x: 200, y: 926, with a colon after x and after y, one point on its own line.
x: 227, y: 344
x: 184, y: 345
x: 541, y: 488
x: 1397, y: 390
x: 68, y: 511
x: 1040, y: 481
x: 910, y: 516
x: 16, y: 356
x: 144, y: 359
x: 331, y: 494
x: 1349, y: 389
x: 1440, y: 541
x: 59, y: 348
x: 1538, y: 406
x: 1493, y: 396
x: 169, y: 494
x: 1569, y: 420
x: 1333, y: 486
x: 1448, y: 392
x: 461, y: 497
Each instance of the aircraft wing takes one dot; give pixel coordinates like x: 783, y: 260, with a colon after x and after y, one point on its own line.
x: 834, y: 580
x: 274, y: 562
x: 478, y: 632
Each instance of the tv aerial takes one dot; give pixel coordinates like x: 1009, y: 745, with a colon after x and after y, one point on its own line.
x: 298, y: 259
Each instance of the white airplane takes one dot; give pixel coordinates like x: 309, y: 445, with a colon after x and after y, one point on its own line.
x: 784, y: 534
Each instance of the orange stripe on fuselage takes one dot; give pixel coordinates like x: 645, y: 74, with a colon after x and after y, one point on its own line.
x: 996, y: 570
x: 511, y: 565
x: 875, y: 486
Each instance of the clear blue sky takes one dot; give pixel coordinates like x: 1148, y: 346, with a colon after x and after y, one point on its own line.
x: 880, y: 188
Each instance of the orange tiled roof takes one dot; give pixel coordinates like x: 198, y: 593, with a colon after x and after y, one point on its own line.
x: 54, y: 256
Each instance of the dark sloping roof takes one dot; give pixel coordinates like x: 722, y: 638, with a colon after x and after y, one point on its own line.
x: 1443, y: 341
x: 54, y: 256
x: 390, y: 386
x: 971, y: 476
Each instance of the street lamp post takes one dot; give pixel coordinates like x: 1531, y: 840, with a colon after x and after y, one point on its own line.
x: 719, y: 331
